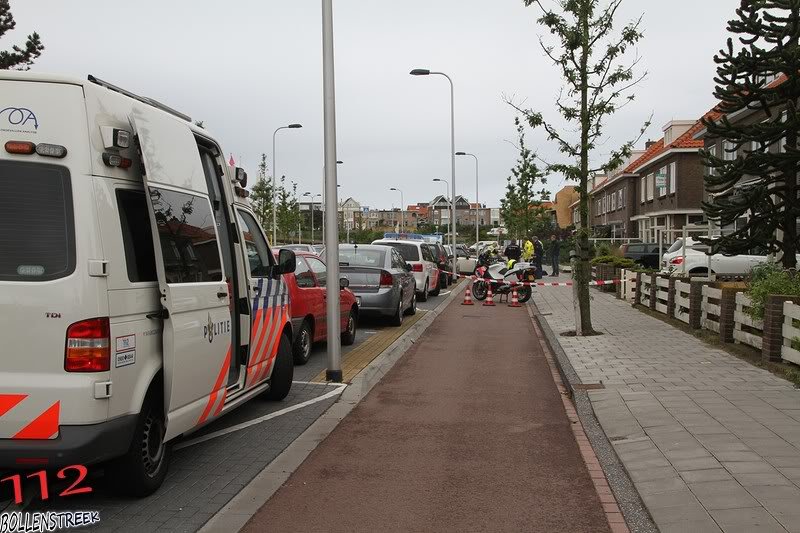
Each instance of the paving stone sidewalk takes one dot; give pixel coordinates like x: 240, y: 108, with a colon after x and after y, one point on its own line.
x: 711, y: 442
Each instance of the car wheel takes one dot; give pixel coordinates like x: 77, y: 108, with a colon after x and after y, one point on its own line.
x: 349, y: 335
x: 438, y: 287
x: 282, y: 373
x: 412, y: 309
x: 397, y: 318
x: 423, y: 297
x: 442, y: 281
x: 145, y: 465
x: 301, y: 349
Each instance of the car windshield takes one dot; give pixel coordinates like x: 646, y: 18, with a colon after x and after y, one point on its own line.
x: 361, y: 257
x: 296, y: 247
x: 410, y: 252
x: 677, y: 245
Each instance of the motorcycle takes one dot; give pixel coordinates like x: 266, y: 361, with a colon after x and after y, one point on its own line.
x: 490, y: 271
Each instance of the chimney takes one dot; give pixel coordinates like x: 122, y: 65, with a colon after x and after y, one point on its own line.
x: 648, y: 144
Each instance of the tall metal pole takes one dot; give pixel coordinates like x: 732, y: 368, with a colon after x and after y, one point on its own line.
x: 274, y: 188
x: 453, y: 166
x: 334, y: 371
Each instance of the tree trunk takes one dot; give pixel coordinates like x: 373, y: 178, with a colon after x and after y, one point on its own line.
x: 583, y: 322
x: 789, y: 244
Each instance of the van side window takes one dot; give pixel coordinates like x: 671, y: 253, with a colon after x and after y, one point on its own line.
x: 255, y: 245
x: 188, y: 236
x: 137, y: 236
x: 426, y: 253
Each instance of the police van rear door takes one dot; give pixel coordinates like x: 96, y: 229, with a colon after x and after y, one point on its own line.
x: 194, y: 293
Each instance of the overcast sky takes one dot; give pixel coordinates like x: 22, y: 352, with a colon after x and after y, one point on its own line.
x: 245, y: 67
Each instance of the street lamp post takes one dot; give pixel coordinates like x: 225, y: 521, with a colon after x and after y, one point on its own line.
x: 447, y: 199
x: 274, y: 182
x: 402, y: 203
x: 426, y: 72
x: 332, y: 291
x: 477, y: 202
x: 323, y: 200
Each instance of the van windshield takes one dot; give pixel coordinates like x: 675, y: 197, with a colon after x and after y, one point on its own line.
x: 37, y: 233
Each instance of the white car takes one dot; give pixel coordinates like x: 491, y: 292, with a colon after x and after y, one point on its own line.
x: 694, y: 260
x: 418, y: 254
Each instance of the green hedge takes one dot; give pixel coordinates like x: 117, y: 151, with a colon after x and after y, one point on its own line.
x: 618, y: 262
x: 770, y: 278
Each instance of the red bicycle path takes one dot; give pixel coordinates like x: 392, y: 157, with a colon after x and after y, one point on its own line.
x: 467, y: 432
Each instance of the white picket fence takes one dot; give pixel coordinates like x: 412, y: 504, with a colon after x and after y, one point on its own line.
x: 646, y: 284
x: 711, y: 309
x: 741, y: 319
x: 628, y: 282
x: 682, y: 290
x: 791, y: 316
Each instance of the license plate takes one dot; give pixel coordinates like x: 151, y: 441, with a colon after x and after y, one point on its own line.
x: 358, y: 300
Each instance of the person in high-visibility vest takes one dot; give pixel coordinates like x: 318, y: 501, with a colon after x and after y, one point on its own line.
x: 527, y: 251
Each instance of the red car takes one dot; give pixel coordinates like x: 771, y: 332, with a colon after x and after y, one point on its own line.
x: 308, y: 304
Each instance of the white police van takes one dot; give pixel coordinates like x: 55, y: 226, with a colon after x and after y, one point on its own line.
x: 139, y: 299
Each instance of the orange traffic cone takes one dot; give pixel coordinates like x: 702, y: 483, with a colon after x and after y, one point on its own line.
x: 489, y: 297
x: 467, y: 297
x: 514, y: 298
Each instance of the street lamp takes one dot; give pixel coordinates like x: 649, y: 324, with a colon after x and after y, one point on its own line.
x: 426, y: 72
x: 323, y: 200
x: 402, y: 203
x: 274, y: 175
x: 312, y: 212
x: 447, y: 186
x: 477, y: 202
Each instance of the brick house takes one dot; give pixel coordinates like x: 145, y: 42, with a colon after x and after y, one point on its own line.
x: 669, y: 182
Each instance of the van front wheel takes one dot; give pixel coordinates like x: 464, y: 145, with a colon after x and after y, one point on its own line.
x: 281, y: 380
x: 145, y: 465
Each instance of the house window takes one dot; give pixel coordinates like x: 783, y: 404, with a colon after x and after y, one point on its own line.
x: 712, y: 150
x: 650, y: 186
x: 623, y: 196
x: 643, y: 187
x: 673, y: 177
x: 728, y: 151
x: 662, y: 176
x: 613, y: 202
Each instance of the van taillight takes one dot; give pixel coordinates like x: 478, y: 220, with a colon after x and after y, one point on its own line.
x: 386, y: 279
x: 88, y: 346
x: 416, y: 267
x: 20, y: 147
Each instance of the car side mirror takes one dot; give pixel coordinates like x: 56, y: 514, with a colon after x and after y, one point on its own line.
x: 287, y: 262
x: 343, y: 283
x: 407, y: 267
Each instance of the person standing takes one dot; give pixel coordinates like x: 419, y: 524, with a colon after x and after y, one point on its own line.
x: 527, y: 251
x: 513, y: 252
x: 538, y: 256
x: 555, y: 254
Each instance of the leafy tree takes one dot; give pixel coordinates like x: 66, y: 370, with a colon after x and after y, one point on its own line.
x: 592, y: 60
x: 520, y: 207
x: 768, y: 47
x: 261, y: 194
x: 20, y: 58
x: 287, y: 216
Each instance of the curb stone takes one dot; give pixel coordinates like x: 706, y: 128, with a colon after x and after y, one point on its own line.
x: 636, y: 515
x: 237, y: 512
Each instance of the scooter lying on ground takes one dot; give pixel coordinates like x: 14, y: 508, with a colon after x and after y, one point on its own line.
x: 490, y: 271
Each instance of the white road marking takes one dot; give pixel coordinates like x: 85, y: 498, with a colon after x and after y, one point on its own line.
x: 326, y: 383
x: 255, y: 421
x: 445, y: 293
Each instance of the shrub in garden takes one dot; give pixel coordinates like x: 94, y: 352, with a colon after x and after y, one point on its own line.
x: 770, y: 278
x: 616, y: 261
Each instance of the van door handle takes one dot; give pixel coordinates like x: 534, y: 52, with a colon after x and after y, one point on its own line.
x: 222, y: 295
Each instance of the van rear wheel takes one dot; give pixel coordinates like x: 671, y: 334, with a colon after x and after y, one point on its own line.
x: 145, y: 465
x: 282, y: 373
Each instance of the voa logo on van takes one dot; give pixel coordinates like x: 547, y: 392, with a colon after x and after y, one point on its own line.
x: 212, y: 329
x: 18, y: 120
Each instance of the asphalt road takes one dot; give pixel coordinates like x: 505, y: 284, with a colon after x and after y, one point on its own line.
x: 465, y: 433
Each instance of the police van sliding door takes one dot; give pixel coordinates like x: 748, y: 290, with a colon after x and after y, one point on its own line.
x: 194, y: 294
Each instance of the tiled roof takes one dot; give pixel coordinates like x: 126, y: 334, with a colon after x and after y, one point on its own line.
x: 684, y: 141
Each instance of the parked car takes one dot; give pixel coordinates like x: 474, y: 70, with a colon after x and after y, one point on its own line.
x: 319, y: 248
x: 464, y: 263
x: 423, y: 264
x: 307, y: 286
x: 300, y: 248
x: 696, y: 261
x: 443, y: 259
x: 381, y: 280
x: 645, y: 254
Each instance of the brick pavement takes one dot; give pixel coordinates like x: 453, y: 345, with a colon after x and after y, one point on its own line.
x: 711, y: 442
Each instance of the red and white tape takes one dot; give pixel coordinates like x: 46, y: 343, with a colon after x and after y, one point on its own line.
x: 597, y: 283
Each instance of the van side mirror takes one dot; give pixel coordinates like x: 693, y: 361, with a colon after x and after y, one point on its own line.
x: 407, y: 267
x: 343, y: 283
x: 287, y: 262
x: 241, y: 177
